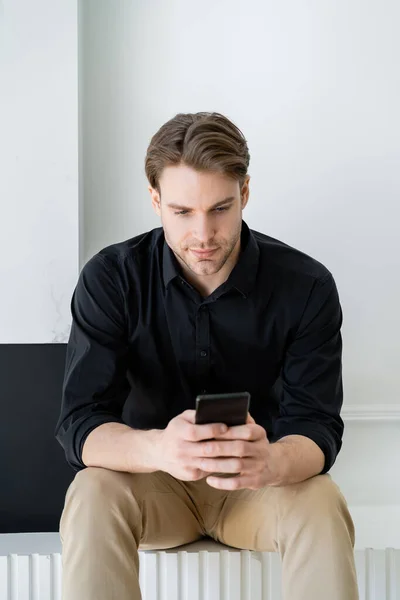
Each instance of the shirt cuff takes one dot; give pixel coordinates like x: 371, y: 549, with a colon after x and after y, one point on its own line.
x: 74, y: 457
x: 321, y: 436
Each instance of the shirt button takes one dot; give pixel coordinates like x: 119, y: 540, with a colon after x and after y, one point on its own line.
x: 203, y: 353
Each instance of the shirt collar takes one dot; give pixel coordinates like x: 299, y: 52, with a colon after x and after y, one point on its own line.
x: 242, y: 276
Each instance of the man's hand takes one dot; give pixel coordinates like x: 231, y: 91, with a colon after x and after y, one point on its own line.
x: 190, y: 452
x: 178, y: 448
x: 243, y: 449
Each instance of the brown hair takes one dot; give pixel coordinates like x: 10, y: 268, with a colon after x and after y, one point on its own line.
x: 204, y: 141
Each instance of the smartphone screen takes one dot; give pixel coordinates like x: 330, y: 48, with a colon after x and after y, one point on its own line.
x: 230, y: 409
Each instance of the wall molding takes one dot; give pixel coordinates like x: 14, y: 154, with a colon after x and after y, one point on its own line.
x: 371, y: 412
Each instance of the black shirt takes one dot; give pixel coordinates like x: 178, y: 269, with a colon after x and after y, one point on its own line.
x: 144, y: 342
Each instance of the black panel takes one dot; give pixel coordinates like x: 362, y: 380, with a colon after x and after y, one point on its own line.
x: 34, y: 475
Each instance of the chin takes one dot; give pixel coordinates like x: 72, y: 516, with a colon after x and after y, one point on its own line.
x: 205, y: 268
x: 199, y: 270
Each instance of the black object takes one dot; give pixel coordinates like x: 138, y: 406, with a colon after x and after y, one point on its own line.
x: 34, y: 474
x: 230, y: 409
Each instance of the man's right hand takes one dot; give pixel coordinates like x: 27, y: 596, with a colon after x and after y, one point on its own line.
x: 177, y: 450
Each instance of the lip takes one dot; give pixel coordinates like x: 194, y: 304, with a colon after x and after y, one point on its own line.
x: 204, y: 254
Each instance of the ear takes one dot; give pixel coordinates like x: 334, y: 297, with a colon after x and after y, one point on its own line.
x: 155, y: 200
x: 245, y: 191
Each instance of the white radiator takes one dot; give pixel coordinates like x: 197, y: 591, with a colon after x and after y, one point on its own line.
x: 216, y: 574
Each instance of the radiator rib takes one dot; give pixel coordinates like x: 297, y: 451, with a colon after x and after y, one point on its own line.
x: 203, y: 575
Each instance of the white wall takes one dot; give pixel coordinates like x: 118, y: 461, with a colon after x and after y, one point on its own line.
x: 315, y: 87
x: 39, y: 169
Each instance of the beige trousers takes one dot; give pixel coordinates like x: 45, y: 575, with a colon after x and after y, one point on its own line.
x: 108, y: 515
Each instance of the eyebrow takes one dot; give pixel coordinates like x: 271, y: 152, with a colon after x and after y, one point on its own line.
x: 216, y: 205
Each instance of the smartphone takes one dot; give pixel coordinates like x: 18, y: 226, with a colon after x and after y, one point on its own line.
x: 230, y: 409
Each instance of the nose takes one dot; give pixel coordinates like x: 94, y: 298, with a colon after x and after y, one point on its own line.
x: 204, y: 230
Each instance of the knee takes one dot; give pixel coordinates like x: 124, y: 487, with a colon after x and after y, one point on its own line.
x: 324, y: 495
x: 95, y: 495
x: 316, y: 500
x: 317, y: 493
x: 99, y: 490
x: 93, y: 483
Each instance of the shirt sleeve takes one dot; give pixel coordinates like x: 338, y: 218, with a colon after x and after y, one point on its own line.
x: 311, y: 382
x: 95, y: 385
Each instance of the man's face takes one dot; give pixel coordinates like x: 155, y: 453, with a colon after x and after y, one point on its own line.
x: 201, y: 211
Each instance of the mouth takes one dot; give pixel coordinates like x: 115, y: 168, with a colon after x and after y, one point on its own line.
x: 203, y: 253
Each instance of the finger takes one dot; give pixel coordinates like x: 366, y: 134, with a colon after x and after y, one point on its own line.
x: 189, y: 415
x: 226, y: 465
x: 199, y: 474
x: 198, y: 433
x: 249, y: 432
x: 232, y: 483
x: 234, y: 448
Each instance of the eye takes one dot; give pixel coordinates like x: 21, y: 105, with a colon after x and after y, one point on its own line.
x: 218, y: 209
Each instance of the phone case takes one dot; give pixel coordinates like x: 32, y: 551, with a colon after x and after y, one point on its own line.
x: 230, y: 409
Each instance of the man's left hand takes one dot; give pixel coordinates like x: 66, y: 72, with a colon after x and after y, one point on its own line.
x: 243, y: 449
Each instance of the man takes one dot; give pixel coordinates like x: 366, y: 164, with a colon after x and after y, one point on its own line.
x: 203, y: 304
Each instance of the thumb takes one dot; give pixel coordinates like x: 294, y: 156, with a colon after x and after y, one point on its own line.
x: 250, y: 419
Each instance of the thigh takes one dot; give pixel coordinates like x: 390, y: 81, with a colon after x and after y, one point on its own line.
x: 155, y: 506
x: 257, y: 519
